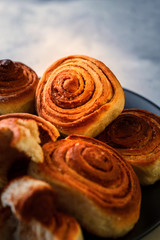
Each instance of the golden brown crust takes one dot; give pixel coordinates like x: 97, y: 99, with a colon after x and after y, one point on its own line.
x: 79, y: 94
x: 24, y: 194
x: 18, y: 83
x: 19, y: 143
x: 33, y: 202
x: 47, y: 131
x: 102, y: 187
x: 136, y: 135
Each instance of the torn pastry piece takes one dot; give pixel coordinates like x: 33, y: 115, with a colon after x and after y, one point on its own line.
x: 33, y: 203
x: 47, y: 131
x: 19, y: 144
x: 79, y: 95
x: 93, y: 183
x: 18, y: 83
x: 135, y: 134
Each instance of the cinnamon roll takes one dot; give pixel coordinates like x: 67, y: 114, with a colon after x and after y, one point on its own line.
x: 33, y: 204
x: 18, y: 83
x: 79, y: 95
x: 93, y: 183
x: 19, y: 143
x: 47, y: 131
x: 135, y: 134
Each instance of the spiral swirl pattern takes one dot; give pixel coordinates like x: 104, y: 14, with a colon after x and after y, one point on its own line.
x: 18, y: 83
x: 136, y: 135
x: 98, y: 174
x: 79, y: 94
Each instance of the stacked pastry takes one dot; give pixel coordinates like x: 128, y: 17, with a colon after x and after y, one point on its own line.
x: 33, y: 213
x: 20, y: 141
x: 93, y: 180
x: 94, y: 184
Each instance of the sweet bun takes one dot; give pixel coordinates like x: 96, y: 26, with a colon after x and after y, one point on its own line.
x: 93, y: 184
x: 79, y: 95
x: 19, y: 143
x: 135, y: 134
x: 47, y: 131
x: 18, y: 83
x: 33, y: 204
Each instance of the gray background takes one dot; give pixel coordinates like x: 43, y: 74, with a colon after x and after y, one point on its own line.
x: 124, y: 34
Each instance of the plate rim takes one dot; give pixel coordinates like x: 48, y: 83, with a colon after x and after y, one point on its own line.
x: 157, y: 223
x: 144, y: 98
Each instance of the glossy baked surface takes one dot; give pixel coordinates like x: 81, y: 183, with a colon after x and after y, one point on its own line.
x: 150, y: 211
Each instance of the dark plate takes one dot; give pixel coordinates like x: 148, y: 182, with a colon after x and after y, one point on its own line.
x: 150, y: 210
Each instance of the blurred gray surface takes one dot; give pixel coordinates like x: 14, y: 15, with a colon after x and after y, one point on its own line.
x: 124, y: 34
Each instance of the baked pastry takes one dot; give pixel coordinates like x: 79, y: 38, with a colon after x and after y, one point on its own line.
x: 19, y: 143
x: 135, y: 134
x: 93, y: 183
x: 18, y: 83
x: 33, y: 203
x: 47, y: 131
x: 79, y: 95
